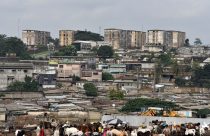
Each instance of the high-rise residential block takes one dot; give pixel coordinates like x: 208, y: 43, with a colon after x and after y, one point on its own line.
x: 138, y: 39
x: 66, y: 37
x: 172, y: 39
x: 124, y: 39
x: 35, y: 37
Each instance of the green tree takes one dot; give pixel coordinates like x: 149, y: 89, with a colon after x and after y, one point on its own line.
x: 202, y: 113
x: 88, y: 36
x: 105, y: 52
x: 116, y: 95
x: 175, y: 67
x: 136, y: 105
x: 107, y: 76
x: 13, y: 45
x: 197, y: 41
x: 94, y: 50
x: 16, y: 86
x: 180, y: 82
x: 29, y: 85
x: 1, y: 95
x: 165, y: 59
x: 201, y: 77
x: 67, y: 51
x: 187, y: 43
x: 55, y: 41
x: 90, y: 89
x: 75, y: 79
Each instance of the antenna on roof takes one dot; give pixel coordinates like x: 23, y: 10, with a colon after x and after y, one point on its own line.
x: 18, y: 28
x: 99, y: 30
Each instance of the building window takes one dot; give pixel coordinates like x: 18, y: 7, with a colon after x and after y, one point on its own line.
x: 10, y: 78
x: 25, y: 71
x: 13, y: 70
x: 86, y: 74
x: 60, y: 66
x: 95, y: 73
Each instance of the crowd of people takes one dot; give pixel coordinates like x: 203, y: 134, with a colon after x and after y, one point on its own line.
x: 155, y: 128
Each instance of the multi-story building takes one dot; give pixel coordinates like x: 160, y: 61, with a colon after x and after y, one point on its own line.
x: 172, y: 39
x: 124, y: 39
x: 91, y: 75
x: 176, y: 38
x: 11, y: 72
x: 66, y: 37
x: 114, y: 37
x: 35, y: 37
x: 67, y: 70
x: 156, y: 37
x: 138, y: 39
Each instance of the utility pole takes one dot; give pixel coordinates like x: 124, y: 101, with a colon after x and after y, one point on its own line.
x: 154, y: 78
x: 138, y: 81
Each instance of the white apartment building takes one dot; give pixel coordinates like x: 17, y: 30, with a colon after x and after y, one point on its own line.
x: 172, y: 39
x: 124, y: 39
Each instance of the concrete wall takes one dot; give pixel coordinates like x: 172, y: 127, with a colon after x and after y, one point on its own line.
x: 10, y: 75
x: 22, y: 95
x: 187, y: 90
x: 67, y: 70
x: 94, y: 116
x: 2, y: 117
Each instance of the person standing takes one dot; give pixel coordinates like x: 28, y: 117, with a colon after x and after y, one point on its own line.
x: 41, y: 131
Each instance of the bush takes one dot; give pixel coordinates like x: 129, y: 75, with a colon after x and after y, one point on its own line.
x: 105, y: 52
x: 116, y: 95
x: 90, y: 89
x: 107, y: 76
x: 137, y: 104
x: 28, y: 85
x: 202, y: 113
x: 180, y: 82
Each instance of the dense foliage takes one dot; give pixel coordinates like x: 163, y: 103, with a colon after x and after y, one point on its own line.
x: 180, y: 82
x: 29, y: 85
x: 75, y: 79
x: 13, y: 45
x: 197, y: 41
x: 201, y: 77
x: 116, y: 95
x: 137, y: 104
x: 90, y: 89
x: 88, y: 36
x: 187, y: 42
x: 1, y: 95
x: 107, y: 76
x: 202, y: 113
x: 105, y: 52
x: 165, y: 59
x: 67, y: 51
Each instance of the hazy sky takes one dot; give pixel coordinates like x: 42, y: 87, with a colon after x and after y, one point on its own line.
x: 191, y: 16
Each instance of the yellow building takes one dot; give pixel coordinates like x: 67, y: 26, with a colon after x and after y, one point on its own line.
x: 66, y: 37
